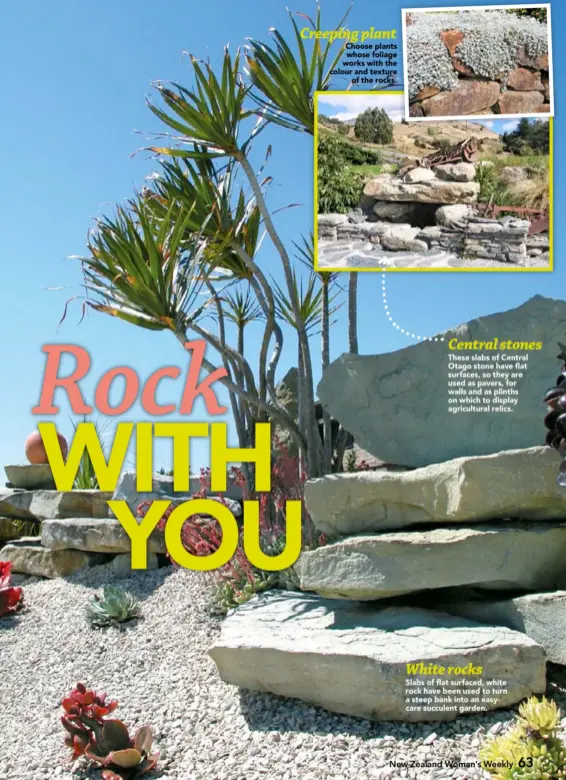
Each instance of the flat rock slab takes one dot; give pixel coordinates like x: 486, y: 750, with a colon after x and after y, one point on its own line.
x: 29, y: 557
x: 541, y: 616
x: 512, y: 484
x: 31, y: 476
x: 42, y: 504
x: 93, y: 534
x: 514, y: 556
x: 396, y: 405
x: 352, y: 659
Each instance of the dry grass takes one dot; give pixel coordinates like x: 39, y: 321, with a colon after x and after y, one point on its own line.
x: 533, y: 193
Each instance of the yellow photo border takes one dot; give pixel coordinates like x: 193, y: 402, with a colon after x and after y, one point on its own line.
x: 428, y: 270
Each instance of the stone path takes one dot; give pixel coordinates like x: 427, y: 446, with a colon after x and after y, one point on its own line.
x: 365, y: 255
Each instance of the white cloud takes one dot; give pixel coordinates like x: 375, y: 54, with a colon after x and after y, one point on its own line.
x: 346, y: 107
x: 508, y: 127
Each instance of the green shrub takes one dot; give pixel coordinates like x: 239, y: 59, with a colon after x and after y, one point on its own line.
x: 339, y: 189
x: 374, y: 126
x: 530, y: 137
x: 536, y: 13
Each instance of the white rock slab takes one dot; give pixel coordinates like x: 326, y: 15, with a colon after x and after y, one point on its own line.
x: 352, y: 658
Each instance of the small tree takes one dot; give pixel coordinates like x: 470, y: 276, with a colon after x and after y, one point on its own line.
x: 374, y: 126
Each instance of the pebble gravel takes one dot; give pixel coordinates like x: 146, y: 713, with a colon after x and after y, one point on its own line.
x: 159, y: 671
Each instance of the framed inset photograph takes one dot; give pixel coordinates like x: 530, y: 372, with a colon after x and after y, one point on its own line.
x: 483, y: 60
x: 473, y: 194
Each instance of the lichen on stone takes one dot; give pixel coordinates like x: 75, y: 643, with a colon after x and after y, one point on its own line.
x: 490, y: 47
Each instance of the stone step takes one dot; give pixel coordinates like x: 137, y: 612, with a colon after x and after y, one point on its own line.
x: 93, y: 534
x: 515, y: 483
x: 29, y: 557
x: 352, y: 659
x: 511, y: 556
x: 42, y: 504
x: 541, y: 616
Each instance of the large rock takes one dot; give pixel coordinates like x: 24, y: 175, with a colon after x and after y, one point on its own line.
x: 395, y: 404
x: 352, y: 659
x: 93, y: 535
x: 431, y: 191
x: 403, y: 238
x: 462, y: 171
x: 453, y: 216
x: 496, y: 557
x: 525, y: 80
x: 27, y: 556
x: 40, y: 504
x: 512, y: 484
x: 162, y: 487
x: 520, y: 102
x: 404, y: 212
x: 542, y: 616
x: 468, y: 97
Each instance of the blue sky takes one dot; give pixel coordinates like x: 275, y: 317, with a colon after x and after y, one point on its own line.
x: 74, y: 80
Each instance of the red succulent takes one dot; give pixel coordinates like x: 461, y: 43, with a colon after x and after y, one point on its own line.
x: 11, y: 598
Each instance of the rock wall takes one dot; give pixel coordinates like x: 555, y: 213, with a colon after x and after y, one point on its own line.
x: 477, y: 62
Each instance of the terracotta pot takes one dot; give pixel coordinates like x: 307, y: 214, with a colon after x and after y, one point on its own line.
x: 35, y: 451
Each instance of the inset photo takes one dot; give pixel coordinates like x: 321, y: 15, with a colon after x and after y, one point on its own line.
x: 461, y: 195
x: 478, y: 61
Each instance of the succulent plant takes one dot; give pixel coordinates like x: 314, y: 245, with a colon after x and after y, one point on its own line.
x: 11, y: 598
x: 113, y: 607
x: 530, y: 750
x: 227, y: 595
x: 105, y: 742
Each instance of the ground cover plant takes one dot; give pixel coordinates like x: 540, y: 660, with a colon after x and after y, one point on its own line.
x: 490, y: 47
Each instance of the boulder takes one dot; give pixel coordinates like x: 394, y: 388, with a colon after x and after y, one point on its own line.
x: 332, y: 220
x: 403, y: 238
x: 524, y: 80
x: 352, y: 659
x: 453, y: 216
x: 520, y: 102
x: 31, y: 476
x: 511, y: 174
x: 41, y: 504
x: 512, y: 484
x: 162, y: 488
x: 395, y: 404
x: 27, y: 556
x: 508, y: 556
x: 467, y: 98
x: 541, y: 616
x: 93, y: 535
x: 416, y: 175
x: 462, y: 171
x: 432, y: 191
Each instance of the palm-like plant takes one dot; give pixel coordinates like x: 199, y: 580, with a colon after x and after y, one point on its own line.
x: 241, y: 309
x: 284, y: 82
x: 168, y: 257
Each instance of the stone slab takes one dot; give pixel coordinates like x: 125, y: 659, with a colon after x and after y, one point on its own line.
x: 395, y: 405
x: 511, y: 484
x: 384, y: 188
x: 28, y: 556
x: 513, y: 556
x: 31, y: 476
x: 42, y: 504
x: 541, y: 616
x: 352, y: 658
x: 93, y: 534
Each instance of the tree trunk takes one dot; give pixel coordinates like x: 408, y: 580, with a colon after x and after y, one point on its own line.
x: 325, y: 350
x: 353, y: 313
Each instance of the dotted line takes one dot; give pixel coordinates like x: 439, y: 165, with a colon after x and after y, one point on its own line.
x: 395, y: 325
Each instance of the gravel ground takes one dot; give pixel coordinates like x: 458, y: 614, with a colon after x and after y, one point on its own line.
x: 158, y: 670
